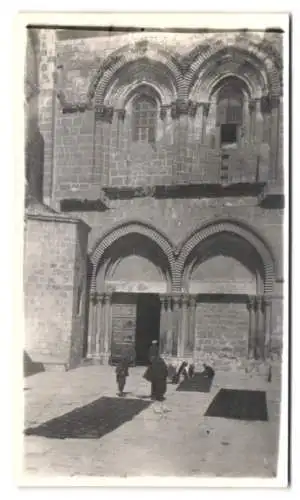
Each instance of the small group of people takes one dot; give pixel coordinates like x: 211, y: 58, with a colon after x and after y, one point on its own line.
x: 156, y: 373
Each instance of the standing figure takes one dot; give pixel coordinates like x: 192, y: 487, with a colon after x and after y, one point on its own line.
x: 153, y: 351
x: 157, y: 374
x: 121, y: 373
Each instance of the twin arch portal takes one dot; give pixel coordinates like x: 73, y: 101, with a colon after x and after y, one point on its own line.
x: 143, y: 288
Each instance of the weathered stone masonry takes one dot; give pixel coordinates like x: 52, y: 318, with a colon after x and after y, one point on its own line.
x: 177, y: 207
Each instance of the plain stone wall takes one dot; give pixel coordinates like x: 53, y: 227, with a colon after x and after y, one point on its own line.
x: 53, y: 269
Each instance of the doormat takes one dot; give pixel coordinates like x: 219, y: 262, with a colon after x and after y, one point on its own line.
x: 91, y: 421
x: 239, y: 405
x: 198, y: 383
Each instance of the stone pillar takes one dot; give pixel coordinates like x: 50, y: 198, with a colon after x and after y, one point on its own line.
x: 252, y: 121
x: 191, y: 341
x: 183, y: 330
x: 259, y: 338
x: 252, y: 326
x: 268, y: 326
x: 274, y: 139
x: 176, y: 323
x: 163, y: 324
x: 258, y: 123
x: 205, y: 111
x: 107, y: 325
x: 169, y: 346
x: 120, y: 126
x: 99, y: 325
x: 92, y: 325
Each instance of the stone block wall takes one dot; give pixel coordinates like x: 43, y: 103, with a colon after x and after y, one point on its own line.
x: 52, y: 270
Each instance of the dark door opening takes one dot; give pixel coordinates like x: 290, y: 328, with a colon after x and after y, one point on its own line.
x: 147, y: 325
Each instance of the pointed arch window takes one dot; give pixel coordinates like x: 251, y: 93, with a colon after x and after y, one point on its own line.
x: 144, y: 111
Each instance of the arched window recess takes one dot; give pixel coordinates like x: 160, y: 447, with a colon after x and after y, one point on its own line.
x: 144, y: 118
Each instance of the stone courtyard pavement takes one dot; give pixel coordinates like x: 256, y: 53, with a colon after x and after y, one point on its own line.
x: 172, y: 438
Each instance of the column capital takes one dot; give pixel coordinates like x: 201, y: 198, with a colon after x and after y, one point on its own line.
x: 96, y: 297
x: 267, y: 300
x: 176, y: 299
x: 121, y: 113
x: 163, y: 111
x: 107, y: 297
x: 185, y: 300
x: 205, y: 107
x: 266, y: 104
x: 193, y: 300
x: 252, y: 105
x: 251, y: 301
x: 104, y: 113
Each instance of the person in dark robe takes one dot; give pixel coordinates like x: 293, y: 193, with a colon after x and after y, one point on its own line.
x: 156, y: 374
x: 122, y: 371
x: 208, y: 372
x: 181, y: 371
x: 153, y: 351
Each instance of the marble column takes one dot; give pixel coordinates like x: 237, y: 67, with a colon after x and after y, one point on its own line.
x: 107, y: 325
x: 268, y: 326
x: 92, y: 325
x: 252, y: 121
x: 183, y: 330
x: 259, y: 340
x: 99, y: 325
x: 274, y: 139
x: 205, y: 111
x: 252, y: 326
x: 163, y: 324
x: 176, y: 299
x: 169, y: 346
x: 190, y: 346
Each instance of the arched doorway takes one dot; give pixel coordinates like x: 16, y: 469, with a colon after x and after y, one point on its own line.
x: 132, y: 273
x: 228, y: 271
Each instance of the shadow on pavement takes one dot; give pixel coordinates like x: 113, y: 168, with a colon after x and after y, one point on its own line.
x: 198, y: 383
x: 92, y: 421
x: 239, y: 405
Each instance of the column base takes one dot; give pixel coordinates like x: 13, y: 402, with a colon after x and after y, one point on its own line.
x: 101, y: 359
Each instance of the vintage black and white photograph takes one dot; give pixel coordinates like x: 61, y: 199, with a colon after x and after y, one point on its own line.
x: 153, y: 261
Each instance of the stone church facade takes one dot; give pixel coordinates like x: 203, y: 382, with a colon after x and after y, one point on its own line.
x: 155, y: 196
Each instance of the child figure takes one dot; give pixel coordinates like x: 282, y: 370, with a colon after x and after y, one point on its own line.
x: 121, y: 374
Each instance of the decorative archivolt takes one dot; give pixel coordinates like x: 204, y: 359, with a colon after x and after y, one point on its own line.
x: 238, y: 55
x: 231, y: 226
x: 190, y: 78
x: 148, y: 57
x: 136, y: 76
x: 124, y: 229
x: 178, y: 257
